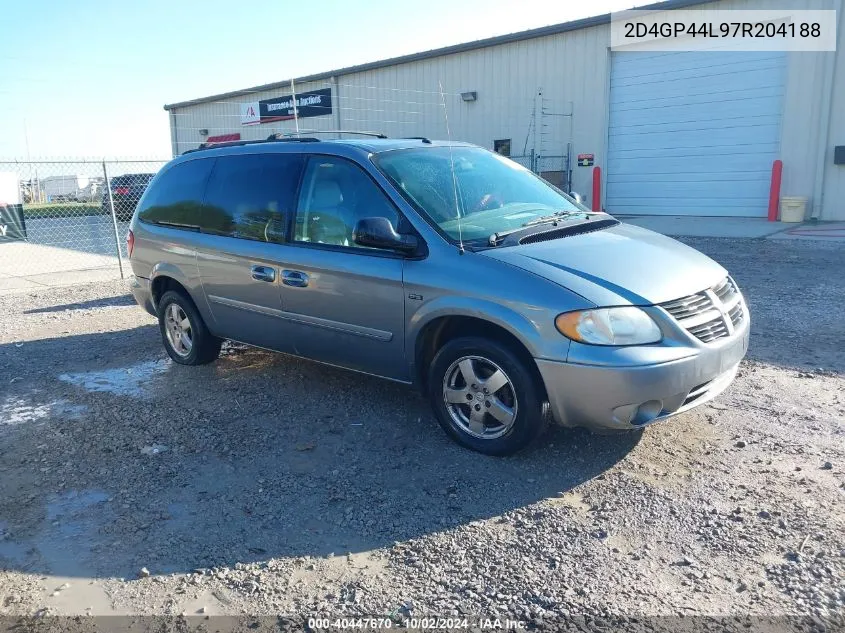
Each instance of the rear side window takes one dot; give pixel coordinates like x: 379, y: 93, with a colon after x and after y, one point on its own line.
x: 176, y: 198
x: 251, y: 196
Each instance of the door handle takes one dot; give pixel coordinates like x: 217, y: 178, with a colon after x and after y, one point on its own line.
x: 263, y: 273
x: 294, y: 278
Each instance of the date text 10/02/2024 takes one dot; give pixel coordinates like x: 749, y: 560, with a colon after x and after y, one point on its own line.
x: 416, y: 623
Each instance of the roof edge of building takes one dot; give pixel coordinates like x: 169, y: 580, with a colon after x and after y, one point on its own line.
x: 543, y: 31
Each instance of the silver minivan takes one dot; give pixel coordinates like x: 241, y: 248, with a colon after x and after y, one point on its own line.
x: 443, y: 265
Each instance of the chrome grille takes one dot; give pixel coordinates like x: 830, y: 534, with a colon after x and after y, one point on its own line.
x: 710, y: 314
x: 711, y: 330
x: 736, y: 314
x: 725, y: 289
x: 688, y: 306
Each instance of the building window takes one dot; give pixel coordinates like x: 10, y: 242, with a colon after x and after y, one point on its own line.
x: 502, y: 146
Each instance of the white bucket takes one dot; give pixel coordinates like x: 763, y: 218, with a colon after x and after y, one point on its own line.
x: 792, y: 208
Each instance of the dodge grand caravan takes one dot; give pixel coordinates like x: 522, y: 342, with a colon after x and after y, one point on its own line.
x: 437, y: 264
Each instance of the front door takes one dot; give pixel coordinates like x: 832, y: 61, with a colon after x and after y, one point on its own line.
x: 247, y: 205
x: 343, y: 304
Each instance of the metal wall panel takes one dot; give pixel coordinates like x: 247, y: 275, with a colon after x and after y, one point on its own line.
x: 567, y: 69
x: 833, y: 201
x: 405, y: 100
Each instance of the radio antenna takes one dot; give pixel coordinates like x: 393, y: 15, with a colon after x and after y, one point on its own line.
x: 452, y: 167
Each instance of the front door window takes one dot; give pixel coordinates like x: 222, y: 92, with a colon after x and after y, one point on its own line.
x: 335, y: 195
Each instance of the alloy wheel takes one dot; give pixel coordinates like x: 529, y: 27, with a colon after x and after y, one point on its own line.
x: 179, y: 330
x: 479, y: 397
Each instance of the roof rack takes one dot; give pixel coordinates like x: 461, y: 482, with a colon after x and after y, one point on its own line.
x: 279, y: 136
x: 419, y: 138
x: 288, y: 137
x: 364, y: 133
x: 273, y: 138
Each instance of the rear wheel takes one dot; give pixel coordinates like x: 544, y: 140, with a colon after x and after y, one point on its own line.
x: 486, y: 397
x: 185, y: 336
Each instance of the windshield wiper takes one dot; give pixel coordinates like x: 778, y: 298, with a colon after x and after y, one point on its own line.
x: 554, y: 217
x: 494, y: 239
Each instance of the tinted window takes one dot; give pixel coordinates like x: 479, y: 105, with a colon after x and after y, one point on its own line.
x: 252, y: 196
x: 176, y: 198
x: 335, y: 195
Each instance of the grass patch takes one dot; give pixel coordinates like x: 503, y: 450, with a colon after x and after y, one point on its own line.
x: 62, y: 210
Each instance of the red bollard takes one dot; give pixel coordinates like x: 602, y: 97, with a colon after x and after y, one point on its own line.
x: 774, y: 190
x: 596, y: 188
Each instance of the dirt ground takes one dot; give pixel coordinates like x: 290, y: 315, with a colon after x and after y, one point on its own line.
x: 263, y: 484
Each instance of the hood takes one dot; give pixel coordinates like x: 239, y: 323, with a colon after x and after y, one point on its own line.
x: 621, y: 265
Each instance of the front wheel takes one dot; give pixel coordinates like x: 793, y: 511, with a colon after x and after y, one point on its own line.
x: 486, y: 397
x: 185, y: 336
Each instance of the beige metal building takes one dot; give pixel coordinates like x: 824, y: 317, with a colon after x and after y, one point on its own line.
x: 675, y: 133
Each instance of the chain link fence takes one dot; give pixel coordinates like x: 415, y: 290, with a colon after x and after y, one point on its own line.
x: 61, y: 219
x: 554, y: 169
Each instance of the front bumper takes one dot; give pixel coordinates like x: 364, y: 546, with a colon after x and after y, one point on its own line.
x: 142, y: 292
x: 630, y: 397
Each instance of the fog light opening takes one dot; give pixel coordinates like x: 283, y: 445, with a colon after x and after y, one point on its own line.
x: 646, y: 412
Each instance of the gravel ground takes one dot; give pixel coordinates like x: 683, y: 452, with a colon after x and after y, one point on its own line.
x: 262, y: 484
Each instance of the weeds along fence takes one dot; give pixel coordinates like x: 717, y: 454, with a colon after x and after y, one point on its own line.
x: 59, y: 217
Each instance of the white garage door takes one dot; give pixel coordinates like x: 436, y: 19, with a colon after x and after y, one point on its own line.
x: 693, y: 133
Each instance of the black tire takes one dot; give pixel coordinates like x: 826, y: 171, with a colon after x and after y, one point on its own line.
x: 523, y: 392
x: 204, y: 346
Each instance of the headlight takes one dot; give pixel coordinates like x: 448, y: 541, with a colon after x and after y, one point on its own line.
x: 609, y: 326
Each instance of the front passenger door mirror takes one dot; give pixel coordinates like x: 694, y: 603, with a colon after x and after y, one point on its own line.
x: 378, y: 232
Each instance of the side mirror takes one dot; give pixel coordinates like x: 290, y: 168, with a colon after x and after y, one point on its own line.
x: 379, y: 233
x: 577, y: 196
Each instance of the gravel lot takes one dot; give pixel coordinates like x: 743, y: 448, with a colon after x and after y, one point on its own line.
x: 263, y: 484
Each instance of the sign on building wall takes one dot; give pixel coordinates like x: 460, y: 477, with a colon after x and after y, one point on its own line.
x: 224, y: 138
x: 12, y: 225
x: 308, y: 104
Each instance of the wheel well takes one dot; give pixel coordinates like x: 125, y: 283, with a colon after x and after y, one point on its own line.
x: 162, y: 284
x: 444, y: 329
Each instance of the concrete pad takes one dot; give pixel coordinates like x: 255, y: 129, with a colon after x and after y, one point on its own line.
x: 688, y: 226
x: 24, y: 259
x: 74, y: 277
x: 25, y: 267
x: 9, y: 285
x: 821, y: 231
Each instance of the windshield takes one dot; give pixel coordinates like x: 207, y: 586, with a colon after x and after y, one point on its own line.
x: 486, y: 194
